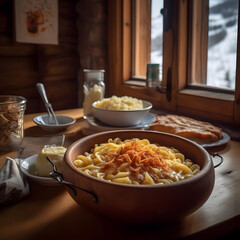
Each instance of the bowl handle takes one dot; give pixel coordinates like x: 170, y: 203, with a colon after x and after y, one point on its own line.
x: 219, y: 156
x: 59, y: 177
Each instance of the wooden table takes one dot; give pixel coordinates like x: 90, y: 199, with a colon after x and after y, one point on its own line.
x: 50, y: 213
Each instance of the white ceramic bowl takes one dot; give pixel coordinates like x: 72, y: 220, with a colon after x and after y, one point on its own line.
x: 121, y: 118
x: 64, y: 122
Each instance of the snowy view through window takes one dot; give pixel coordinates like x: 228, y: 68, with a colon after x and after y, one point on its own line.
x: 222, y: 41
x: 157, y: 33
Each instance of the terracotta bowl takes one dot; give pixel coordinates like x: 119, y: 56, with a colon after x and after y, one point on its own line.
x: 141, y: 203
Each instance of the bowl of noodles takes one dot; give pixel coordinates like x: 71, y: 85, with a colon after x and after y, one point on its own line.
x: 121, y: 111
x: 138, y: 176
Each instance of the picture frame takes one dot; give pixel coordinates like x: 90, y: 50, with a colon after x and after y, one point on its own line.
x: 36, y: 21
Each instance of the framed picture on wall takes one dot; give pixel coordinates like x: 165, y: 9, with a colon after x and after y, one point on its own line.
x: 36, y: 21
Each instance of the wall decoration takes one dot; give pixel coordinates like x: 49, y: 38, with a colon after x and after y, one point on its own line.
x: 36, y: 21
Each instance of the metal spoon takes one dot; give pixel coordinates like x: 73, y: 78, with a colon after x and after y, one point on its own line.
x: 51, y: 115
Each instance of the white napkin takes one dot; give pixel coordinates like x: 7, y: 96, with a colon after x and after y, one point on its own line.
x: 13, y: 184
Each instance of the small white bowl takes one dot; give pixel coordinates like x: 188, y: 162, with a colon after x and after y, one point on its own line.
x: 121, y: 118
x: 64, y: 122
x: 27, y: 166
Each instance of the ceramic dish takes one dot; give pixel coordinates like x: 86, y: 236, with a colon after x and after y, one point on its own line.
x: 92, y: 125
x: 225, y: 139
x: 140, y: 203
x: 64, y: 122
x: 121, y: 118
x: 27, y: 166
x: 148, y: 119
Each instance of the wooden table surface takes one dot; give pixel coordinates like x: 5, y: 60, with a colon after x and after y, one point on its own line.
x: 50, y: 212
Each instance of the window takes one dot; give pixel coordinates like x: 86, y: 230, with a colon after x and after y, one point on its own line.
x: 222, y: 43
x: 141, y: 37
x: 157, y: 33
x: 178, y: 66
x: 147, y: 35
x: 213, y: 48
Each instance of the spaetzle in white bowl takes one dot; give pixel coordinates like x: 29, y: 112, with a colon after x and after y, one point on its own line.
x: 121, y: 111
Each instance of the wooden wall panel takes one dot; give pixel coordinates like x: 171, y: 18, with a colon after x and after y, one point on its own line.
x: 22, y: 65
x: 16, y: 50
x: 5, y: 16
x: 68, y: 28
x: 62, y: 95
x: 60, y: 51
x: 31, y: 94
x: 17, y: 72
x: 68, y: 69
x: 82, y: 44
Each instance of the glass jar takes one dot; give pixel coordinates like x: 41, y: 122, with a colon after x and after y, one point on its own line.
x: 12, y: 110
x: 153, y: 79
x: 93, y: 88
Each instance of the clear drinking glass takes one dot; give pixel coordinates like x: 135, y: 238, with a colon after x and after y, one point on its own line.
x: 12, y: 110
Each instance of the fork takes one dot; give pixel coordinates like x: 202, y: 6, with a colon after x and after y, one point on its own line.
x: 51, y: 115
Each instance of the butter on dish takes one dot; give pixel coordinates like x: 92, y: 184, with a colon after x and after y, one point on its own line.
x: 55, y: 153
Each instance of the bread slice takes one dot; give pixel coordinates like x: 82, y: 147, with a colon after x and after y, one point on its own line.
x: 201, y: 132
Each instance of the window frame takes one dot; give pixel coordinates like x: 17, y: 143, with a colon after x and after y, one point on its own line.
x: 179, y: 98
x: 141, y: 50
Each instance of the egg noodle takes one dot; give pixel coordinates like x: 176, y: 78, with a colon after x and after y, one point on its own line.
x: 120, y: 103
x: 136, y: 161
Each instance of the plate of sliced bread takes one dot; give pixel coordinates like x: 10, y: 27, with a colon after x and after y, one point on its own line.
x: 204, y: 133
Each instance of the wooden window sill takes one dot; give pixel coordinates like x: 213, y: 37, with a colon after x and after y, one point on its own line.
x: 136, y: 83
x: 208, y: 94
